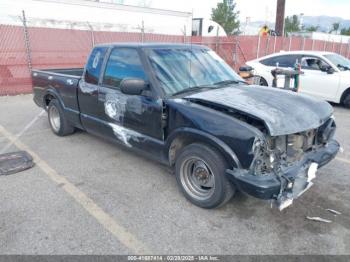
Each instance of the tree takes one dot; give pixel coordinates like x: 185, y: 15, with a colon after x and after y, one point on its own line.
x: 226, y: 16
x: 312, y: 28
x: 345, y: 31
x: 335, y: 27
x: 291, y: 24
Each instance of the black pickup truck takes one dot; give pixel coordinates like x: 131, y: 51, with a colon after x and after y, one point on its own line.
x: 184, y: 106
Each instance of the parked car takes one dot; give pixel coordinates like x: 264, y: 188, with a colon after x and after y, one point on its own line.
x: 184, y: 106
x: 325, y: 75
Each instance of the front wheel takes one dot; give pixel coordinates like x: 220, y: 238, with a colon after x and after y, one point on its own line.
x: 200, y: 174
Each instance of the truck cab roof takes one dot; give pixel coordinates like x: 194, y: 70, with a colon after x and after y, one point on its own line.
x: 151, y: 45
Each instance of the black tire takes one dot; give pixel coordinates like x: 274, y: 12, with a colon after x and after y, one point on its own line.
x: 346, y: 100
x: 212, y: 160
x: 57, y: 120
x: 263, y: 82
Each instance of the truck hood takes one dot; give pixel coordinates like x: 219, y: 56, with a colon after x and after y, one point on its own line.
x: 282, y: 112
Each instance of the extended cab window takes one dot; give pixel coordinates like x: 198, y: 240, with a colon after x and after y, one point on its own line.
x: 282, y: 60
x: 93, y: 67
x: 123, y: 63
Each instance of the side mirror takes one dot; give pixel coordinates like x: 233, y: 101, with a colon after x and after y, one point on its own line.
x: 132, y: 86
x: 330, y: 70
x: 246, y: 68
x: 327, y: 69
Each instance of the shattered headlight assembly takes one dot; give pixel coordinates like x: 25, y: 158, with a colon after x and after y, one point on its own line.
x: 295, y: 145
x: 258, y: 143
x: 264, y: 158
x: 272, y: 159
x: 326, y: 131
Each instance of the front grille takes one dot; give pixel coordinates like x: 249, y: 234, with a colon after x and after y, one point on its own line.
x: 298, y: 144
x: 291, y: 148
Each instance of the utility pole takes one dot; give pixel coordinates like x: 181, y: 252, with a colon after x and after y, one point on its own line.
x: 280, y: 11
x: 26, y: 40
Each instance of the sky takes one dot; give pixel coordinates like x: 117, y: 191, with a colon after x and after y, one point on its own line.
x: 261, y: 10
x: 256, y: 10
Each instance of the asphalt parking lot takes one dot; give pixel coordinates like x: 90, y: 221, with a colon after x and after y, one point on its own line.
x: 87, y: 196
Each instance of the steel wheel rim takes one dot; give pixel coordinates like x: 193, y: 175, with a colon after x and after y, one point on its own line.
x: 55, y: 119
x: 197, y: 178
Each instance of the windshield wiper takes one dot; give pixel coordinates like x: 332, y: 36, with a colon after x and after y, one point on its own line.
x: 228, y: 82
x: 190, y: 89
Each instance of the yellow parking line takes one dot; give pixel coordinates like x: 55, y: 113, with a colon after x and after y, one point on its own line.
x: 343, y: 160
x: 123, y: 235
x: 25, y: 129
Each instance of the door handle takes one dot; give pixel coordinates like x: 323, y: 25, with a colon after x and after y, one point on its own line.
x: 102, y: 97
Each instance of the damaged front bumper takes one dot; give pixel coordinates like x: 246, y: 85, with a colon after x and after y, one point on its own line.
x: 290, y: 182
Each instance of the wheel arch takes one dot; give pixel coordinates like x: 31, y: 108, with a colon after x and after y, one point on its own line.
x: 49, y: 95
x: 262, y: 79
x: 185, y: 136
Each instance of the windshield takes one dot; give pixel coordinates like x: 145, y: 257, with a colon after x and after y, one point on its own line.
x: 178, y: 70
x: 340, y: 61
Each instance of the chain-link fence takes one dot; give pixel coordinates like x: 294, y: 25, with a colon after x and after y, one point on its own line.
x: 25, y: 44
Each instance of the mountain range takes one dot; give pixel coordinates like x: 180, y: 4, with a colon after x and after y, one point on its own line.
x: 324, y: 22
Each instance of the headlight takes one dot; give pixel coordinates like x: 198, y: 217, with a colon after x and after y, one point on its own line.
x: 257, y: 145
x: 326, y: 131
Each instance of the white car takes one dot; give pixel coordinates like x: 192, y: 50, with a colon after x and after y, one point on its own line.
x: 325, y: 75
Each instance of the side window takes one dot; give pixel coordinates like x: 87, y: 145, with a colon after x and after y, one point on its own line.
x: 283, y: 60
x: 269, y: 61
x: 313, y: 63
x: 288, y: 60
x: 123, y: 63
x: 94, y: 64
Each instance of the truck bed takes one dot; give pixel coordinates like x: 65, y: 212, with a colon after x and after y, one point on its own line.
x: 64, y: 71
x: 61, y: 83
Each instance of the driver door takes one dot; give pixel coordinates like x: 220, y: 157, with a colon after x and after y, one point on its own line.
x: 133, y: 120
x: 315, y: 81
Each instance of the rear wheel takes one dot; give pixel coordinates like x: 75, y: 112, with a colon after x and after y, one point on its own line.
x: 58, y: 122
x: 200, y: 174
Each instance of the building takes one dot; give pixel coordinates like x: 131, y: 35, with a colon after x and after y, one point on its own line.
x: 102, y: 15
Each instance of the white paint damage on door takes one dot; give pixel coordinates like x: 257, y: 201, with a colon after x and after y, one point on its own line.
x: 115, y: 106
x: 125, y: 135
